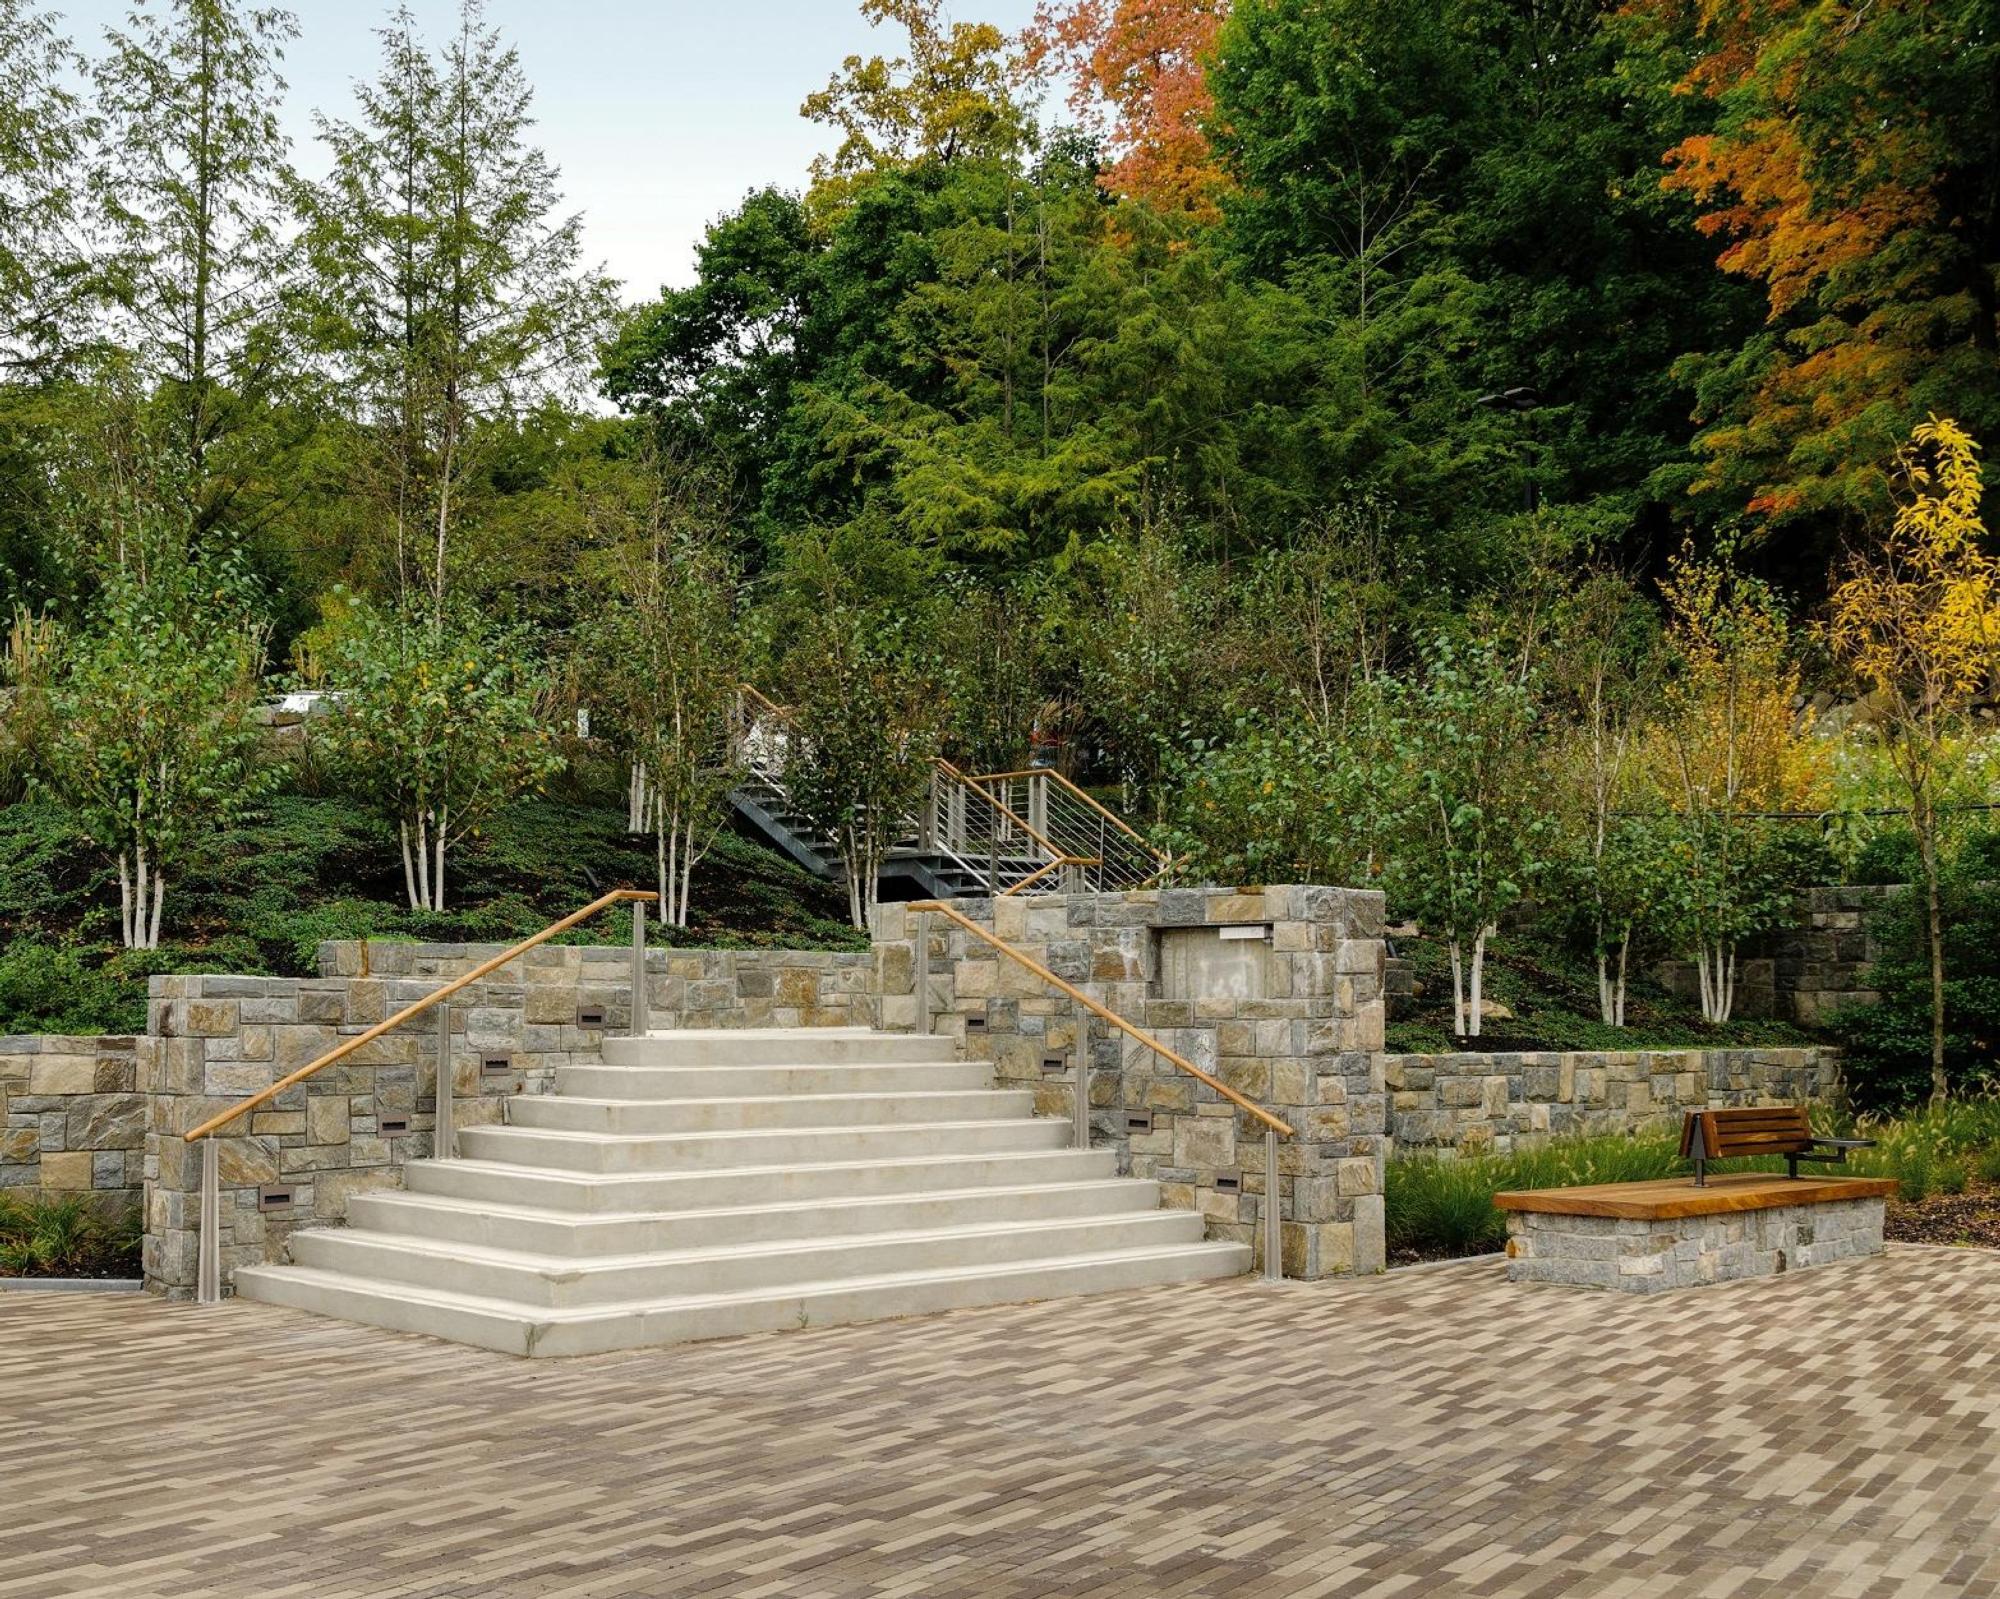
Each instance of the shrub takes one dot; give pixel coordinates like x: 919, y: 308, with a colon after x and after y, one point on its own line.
x: 60, y: 988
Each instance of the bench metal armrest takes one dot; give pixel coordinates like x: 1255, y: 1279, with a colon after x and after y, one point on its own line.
x: 1827, y: 1152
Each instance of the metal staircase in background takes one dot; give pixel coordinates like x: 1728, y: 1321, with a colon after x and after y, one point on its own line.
x: 1000, y: 834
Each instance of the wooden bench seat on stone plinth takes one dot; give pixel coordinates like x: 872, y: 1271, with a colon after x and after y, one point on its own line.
x: 1644, y: 1237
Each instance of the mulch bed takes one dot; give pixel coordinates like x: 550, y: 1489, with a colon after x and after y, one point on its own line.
x: 1972, y: 1217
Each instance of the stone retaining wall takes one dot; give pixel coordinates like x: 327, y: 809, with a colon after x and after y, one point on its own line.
x: 684, y: 987
x: 1290, y: 1015
x: 1822, y: 961
x: 71, y: 1115
x: 1484, y: 1102
x: 215, y: 1040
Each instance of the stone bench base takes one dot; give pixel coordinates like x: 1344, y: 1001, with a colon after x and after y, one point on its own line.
x: 1647, y: 1237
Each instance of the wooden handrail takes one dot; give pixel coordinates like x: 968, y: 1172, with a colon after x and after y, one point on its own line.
x: 1102, y: 1012
x: 342, y: 1051
x: 1105, y: 811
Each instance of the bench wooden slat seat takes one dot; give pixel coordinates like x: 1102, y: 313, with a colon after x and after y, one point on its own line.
x: 1786, y: 1130
x: 1672, y: 1198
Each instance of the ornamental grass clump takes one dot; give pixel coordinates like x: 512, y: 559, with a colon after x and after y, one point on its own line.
x: 1440, y: 1206
x: 67, y: 1235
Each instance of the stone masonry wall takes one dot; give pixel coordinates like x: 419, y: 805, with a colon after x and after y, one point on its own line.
x: 1307, y: 1047
x: 71, y: 1116
x: 684, y: 987
x: 1483, y: 1102
x: 1645, y: 1257
x: 214, y: 1040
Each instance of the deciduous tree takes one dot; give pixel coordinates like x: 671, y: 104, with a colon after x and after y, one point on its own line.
x: 1139, y: 68
x: 436, y: 722
x: 1731, y: 756
x: 1918, y: 620
x: 450, y: 292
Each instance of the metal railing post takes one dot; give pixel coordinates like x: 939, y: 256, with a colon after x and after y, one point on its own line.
x: 639, y: 1008
x: 923, y: 983
x: 1274, y: 1257
x: 444, y: 1140
x: 208, y: 1248
x: 1081, y: 1110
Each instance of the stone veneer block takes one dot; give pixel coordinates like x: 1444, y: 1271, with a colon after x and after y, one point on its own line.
x: 1645, y: 1257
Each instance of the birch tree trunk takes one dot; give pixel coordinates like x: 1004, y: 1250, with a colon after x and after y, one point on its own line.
x: 437, y: 879
x: 1478, y: 978
x: 409, y: 863
x: 125, y: 898
x: 1457, y: 990
x: 141, y: 884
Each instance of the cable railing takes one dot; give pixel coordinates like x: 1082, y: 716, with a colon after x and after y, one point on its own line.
x: 1274, y: 1127
x: 1110, y: 851
x: 958, y: 817
x: 208, y: 1269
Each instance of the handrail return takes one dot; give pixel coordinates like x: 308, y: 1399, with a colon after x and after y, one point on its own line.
x: 1274, y: 1126
x: 208, y: 1269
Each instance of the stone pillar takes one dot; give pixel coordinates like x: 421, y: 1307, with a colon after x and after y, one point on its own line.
x: 1294, y: 1025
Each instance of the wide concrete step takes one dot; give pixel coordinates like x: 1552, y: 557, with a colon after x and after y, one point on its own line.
x: 514, y: 1329
x: 728, y: 1082
x: 555, y: 1282
x: 635, y: 1152
x: 576, y: 1234
x: 777, y: 1046
x: 598, y: 1193
x: 766, y: 1112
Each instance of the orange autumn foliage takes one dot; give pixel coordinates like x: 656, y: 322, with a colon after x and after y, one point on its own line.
x: 1825, y: 177
x: 1139, y: 74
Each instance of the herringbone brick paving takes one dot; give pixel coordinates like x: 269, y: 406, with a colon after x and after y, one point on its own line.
x: 1831, y: 1433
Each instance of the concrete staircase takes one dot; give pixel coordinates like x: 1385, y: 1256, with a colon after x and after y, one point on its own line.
x: 700, y: 1184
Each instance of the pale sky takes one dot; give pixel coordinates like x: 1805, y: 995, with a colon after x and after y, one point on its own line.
x: 661, y: 115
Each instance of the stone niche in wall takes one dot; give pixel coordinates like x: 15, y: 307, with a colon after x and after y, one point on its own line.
x: 1210, y: 965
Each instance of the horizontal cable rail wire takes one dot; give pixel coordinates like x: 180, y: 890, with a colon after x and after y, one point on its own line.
x: 1112, y: 853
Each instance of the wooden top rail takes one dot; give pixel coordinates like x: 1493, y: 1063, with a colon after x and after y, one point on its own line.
x: 1102, y: 1012
x: 343, y: 1050
x: 765, y: 700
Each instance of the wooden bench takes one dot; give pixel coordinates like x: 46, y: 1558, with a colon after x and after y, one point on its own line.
x: 1675, y: 1232
x: 1785, y: 1130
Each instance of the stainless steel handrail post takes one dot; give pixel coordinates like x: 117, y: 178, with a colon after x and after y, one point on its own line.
x: 1274, y: 1258
x: 640, y: 1013
x: 444, y: 1135
x: 208, y: 1247
x: 1081, y: 1110
x: 923, y: 971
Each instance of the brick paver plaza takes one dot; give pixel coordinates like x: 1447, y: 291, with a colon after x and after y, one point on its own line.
x: 1828, y: 1433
